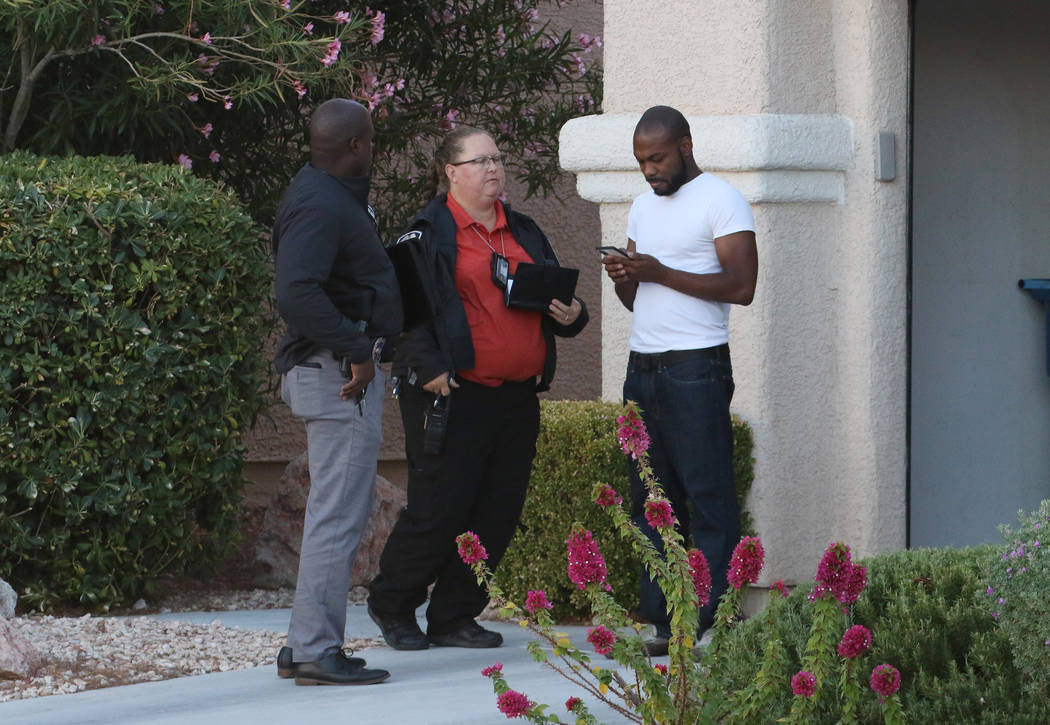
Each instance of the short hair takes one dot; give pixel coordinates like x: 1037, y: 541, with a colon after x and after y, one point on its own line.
x: 666, y: 118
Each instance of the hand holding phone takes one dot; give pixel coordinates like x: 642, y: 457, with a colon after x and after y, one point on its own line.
x: 613, y: 251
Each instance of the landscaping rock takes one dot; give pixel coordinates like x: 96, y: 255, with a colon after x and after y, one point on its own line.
x: 19, y: 660
x: 280, y: 538
x: 8, y: 600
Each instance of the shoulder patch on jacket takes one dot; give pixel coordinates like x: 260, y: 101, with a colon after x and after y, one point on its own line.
x: 409, y: 236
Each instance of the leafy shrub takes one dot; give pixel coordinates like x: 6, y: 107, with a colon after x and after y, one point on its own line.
x: 576, y: 448
x: 925, y: 610
x: 1018, y: 596
x: 130, y: 303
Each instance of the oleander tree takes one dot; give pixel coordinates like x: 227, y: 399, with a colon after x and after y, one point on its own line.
x: 224, y: 86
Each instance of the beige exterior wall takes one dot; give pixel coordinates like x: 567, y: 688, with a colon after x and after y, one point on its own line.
x: 785, y: 100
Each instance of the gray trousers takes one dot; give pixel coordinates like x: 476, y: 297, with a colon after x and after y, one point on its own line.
x: 343, y: 446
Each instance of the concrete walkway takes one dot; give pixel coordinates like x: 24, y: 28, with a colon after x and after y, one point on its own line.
x: 439, y: 686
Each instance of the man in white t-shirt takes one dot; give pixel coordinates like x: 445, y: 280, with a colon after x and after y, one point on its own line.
x: 691, y: 254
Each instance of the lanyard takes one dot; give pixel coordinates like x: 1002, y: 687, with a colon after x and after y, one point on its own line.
x: 502, y: 247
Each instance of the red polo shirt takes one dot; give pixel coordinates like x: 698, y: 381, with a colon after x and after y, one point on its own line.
x: 508, y: 344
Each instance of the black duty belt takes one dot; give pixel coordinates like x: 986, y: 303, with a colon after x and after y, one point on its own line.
x: 646, y: 361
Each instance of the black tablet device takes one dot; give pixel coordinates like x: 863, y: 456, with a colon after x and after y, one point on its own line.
x: 535, y: 285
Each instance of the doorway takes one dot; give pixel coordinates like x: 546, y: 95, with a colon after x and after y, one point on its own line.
x: 980, y: 392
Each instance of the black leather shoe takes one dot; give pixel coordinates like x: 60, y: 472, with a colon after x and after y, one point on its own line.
x: 470, y: 634
x: 286, y: 667
x: 335, y: 668
x: 400, y: 632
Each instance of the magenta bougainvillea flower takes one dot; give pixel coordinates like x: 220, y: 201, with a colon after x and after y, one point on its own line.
x: 608, y: 497
x: 659, y: 514
x: 513, y: 704
x: 586, y: 564
x: 701, y: 576
x: 493, y: 669
x: 781, y: 587
x: 602, y: 639
x: 634, y: 439
x: 858, y: 579
x: 855, y: 642
x: 537, y: 599
x: 470, y: 549
x: 804, y: 683
x: 662, y: 669
x: 572, y: 703
x: 838, y: 577
x: 885, y: 680
x: 746, y: 563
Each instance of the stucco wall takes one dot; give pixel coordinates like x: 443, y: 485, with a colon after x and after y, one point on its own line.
x: 785, y: 100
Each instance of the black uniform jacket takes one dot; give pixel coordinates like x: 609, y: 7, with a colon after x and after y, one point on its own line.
x: 445, y: 343
x: 335, y: 286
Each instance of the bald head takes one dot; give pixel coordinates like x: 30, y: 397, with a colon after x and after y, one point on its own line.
x: 663, y: 119
x: 341, y: 138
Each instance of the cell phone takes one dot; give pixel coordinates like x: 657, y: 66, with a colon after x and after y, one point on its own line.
x: 614, y: 251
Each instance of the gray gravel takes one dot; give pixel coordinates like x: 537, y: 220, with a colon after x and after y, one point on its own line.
x: 86, y: 653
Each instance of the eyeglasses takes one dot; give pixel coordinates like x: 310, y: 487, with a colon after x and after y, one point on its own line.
x: 481, y: 161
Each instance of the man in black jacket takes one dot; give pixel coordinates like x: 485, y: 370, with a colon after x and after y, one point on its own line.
x: 338, y: 294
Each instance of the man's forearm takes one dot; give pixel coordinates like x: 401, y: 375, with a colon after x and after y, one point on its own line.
x: 626, y: 292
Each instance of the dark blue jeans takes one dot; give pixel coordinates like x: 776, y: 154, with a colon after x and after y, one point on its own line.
x: 685, y: 406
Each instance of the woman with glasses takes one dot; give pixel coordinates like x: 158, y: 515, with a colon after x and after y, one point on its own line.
x: 468, y: 384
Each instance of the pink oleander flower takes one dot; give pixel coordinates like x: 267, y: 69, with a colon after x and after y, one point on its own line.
x: 537, y: 599
x: 206, y: 38
x: 378, y: 28
x: 659, y: 514
x: 185, y: 161
x: 586, y: 563
x: 214, y: 156
x: 662, y: 669
x: 608, y: 497
x: 513, y: 704
x: 342, y: 17
x: 804, y: 683
x: 300, y: 91
x: 308, y: 29
x: 602, y: 639
x: 701, y: 576
x: 193, y: 97
x: 631, y: 433
x: 855, y: 642
x: 572, y: 703
x: 781, y: 587
x: 286, y: 4
x: 470, y: 549
x: 333, y: 53
x: 206, y: 130
x: 493, y: 669
x: 885, y: 680
x: 746, y: 563
x: 227, y: 103
x: 98, y: 40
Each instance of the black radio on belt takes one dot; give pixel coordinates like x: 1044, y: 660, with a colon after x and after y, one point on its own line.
x: 435, y: 421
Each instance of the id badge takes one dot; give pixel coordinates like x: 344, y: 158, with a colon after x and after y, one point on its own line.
x: 500, y: 270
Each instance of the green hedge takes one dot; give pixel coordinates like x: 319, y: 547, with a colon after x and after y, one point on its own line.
x: 130, y: 310
x: 927, y: 616
x: 577, y: 448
